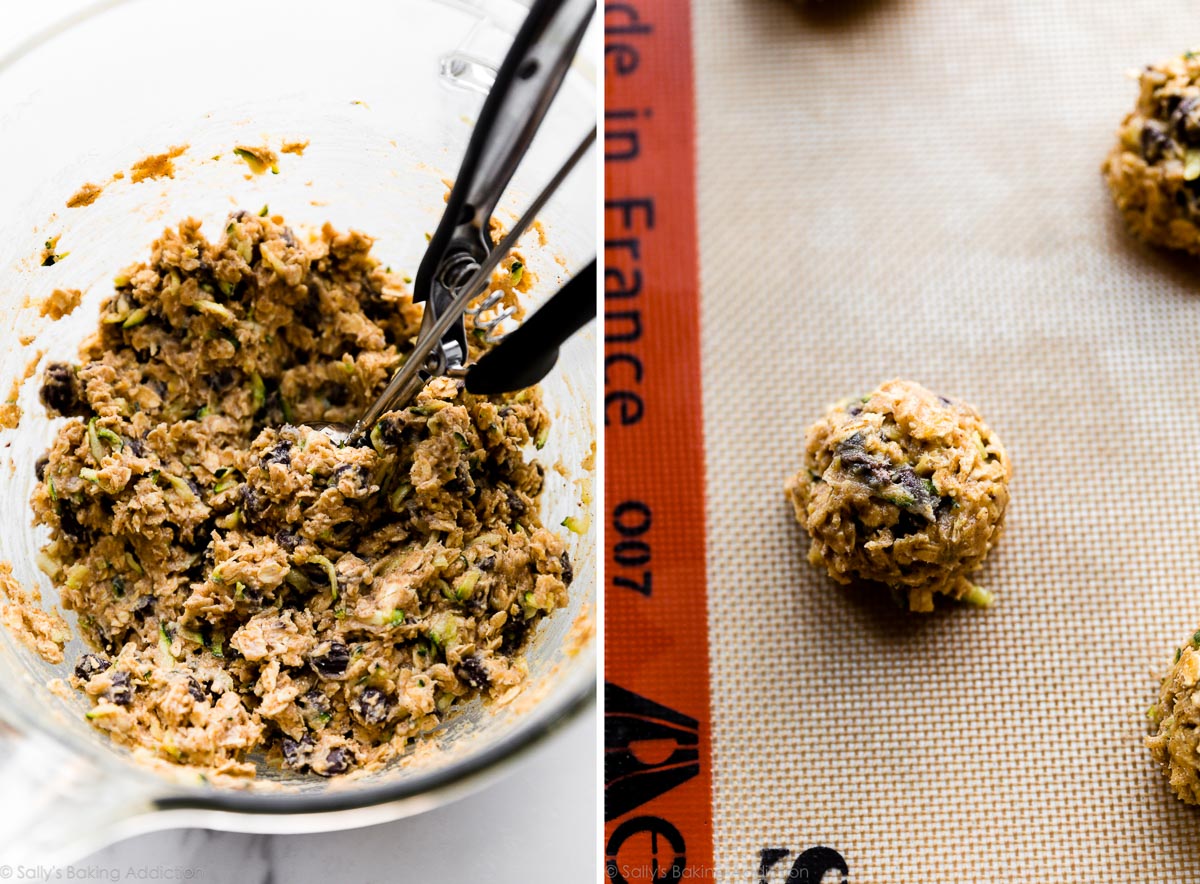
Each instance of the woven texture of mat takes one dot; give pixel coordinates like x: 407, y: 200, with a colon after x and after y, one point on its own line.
x: 911, y: 188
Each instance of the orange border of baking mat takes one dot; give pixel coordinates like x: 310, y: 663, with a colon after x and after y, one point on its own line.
x: 657, y: 759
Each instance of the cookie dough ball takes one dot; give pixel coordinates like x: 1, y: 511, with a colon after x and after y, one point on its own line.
x: 1175, y: 743
x: 1154, y: 169
x: 904, y: 488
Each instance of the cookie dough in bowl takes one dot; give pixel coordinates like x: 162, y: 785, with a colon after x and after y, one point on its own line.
x: 245, y: 586
x: 1153, y: 170
x: 903, y: 488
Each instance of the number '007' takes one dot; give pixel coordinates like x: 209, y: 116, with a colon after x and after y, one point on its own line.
x: 631, y: 521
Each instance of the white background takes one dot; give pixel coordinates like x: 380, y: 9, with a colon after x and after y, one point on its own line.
x: 536, y: 825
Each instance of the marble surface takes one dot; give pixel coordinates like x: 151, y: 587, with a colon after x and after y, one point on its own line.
x: 537, y: 824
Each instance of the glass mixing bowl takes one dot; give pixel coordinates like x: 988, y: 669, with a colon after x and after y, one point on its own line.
x: 385, y: 94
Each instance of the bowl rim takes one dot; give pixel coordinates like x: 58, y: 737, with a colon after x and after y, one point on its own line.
x: 545, y: 717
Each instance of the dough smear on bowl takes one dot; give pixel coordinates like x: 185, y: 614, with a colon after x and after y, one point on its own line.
x: 904, y: 488
x: 247, y: 587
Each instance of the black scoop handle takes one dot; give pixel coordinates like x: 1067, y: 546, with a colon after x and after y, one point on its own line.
x: 525, y: 356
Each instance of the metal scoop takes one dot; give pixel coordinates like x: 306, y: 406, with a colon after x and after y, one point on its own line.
x: 459, y: 262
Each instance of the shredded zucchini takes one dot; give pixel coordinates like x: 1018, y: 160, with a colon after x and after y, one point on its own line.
x: 576, y: 525
x: 212, y: 308
x: 466, y: 586
x: 182, y: 488
x: 978, y: 596
x: 258, y: 390
x: 136, y: 317
x: 330, y: 571
x: 1191, y: 164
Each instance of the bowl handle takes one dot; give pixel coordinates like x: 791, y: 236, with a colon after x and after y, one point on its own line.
x: 58, y: 806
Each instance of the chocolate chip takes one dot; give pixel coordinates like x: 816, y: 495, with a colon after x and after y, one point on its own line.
x: 1155, y: 141
x: 392, y: 430
x: 923, y: 499
x: 297, y: 753
x: 315, y: 707
x: 287, y: 539
x: 516, y: 506
x: 89, y: 665
x: 195, y: 690
x: 358, y: 476
x: 336, y: 762
x: 136, y: 446
x: 253, y: 505
x: 281, y: 454
x: 514, y: 636
x: 1185, y: 121
x: 471, y: 671
x: 61, y: 392
x: 122, y: 689
x: 68, y: 523
x: 371, y: 706
x: 330, y: 659
x: 487, y: 564
x: 39, y: 467
x: 871, y: 469
x: 568, y: 572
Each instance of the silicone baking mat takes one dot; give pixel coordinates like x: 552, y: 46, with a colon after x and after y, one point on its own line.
x: 911, y: 188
